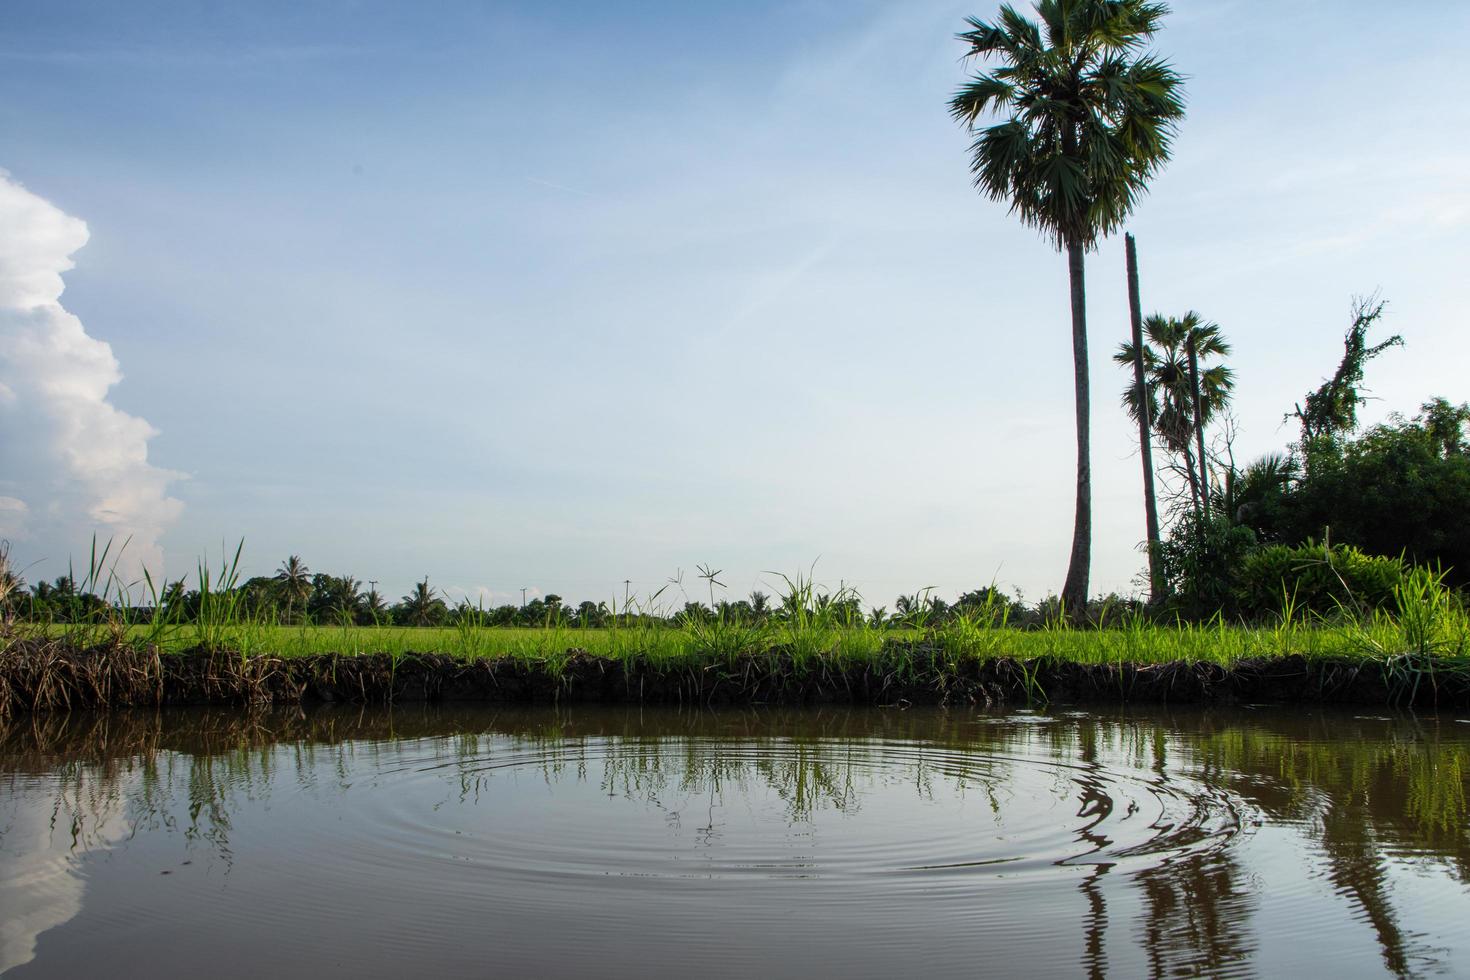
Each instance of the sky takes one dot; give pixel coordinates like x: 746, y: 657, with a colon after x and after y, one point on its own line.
x: 558, y: 295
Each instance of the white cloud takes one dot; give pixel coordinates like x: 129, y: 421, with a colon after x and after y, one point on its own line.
x: 73, y: 464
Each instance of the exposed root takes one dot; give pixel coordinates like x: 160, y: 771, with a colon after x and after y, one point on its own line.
x: 45, y: 676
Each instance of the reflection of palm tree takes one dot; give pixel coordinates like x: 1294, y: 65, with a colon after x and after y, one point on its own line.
x: 1086, y: 120
x: 1198, y: 918
x: 1363, y: 793
x: 1359, y: 873
x: 1179, y: 417
x: 1094, y: 947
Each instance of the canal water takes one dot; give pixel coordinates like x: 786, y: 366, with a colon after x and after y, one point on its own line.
x: 628, y: 842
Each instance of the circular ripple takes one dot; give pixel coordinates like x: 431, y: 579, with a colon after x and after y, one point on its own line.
x: 730, y: 809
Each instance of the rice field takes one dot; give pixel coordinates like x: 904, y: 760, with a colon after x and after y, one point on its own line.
x: 1445, y: 637
x: 1428, y: 627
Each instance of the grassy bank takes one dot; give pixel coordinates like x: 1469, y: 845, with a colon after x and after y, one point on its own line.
x: 806, y: 650
x: 1418, y: 656
x: 1429, y: 624
x: 1138, y: 642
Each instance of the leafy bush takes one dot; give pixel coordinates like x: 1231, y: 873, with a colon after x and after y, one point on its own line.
x: 1399, y: 488
x: 1316, y: 577
x: 1201, y: 559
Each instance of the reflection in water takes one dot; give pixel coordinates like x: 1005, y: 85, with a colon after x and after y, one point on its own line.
x: 905, y: 820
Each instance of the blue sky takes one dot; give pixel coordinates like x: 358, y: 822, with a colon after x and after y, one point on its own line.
x: 558, y: 295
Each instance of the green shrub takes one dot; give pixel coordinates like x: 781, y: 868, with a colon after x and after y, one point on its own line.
x: 1318, y: 577
x: 1201, y: 561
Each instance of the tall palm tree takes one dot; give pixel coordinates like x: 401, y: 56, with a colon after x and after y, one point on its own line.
x: 1157, y: 586
x: 1179, y: 418
x: 1086, y: 117
x: 293, y: 578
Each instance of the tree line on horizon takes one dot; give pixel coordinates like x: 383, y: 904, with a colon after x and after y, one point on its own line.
x: 296, y: 596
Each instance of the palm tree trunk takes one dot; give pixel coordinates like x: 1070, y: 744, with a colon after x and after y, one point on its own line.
x: 1199, y: 430
x: 1074, y: 591
x: 1145, y: 428
x: 1193, y: 475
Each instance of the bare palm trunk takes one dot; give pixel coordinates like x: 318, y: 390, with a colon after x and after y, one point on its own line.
x: 1193, y: 475
x: 1145, y: 428
x: 1199, y: 430
x: 1074, y: 591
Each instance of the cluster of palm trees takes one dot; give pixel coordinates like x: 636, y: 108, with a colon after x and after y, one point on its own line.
x: 1070, y: 122
x: 295, y: 594
x: 1178, y: 395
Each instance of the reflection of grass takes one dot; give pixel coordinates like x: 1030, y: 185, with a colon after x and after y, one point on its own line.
x: 1391, y: 784
x: 1367, y: 794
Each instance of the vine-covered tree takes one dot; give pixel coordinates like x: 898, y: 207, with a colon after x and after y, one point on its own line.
x: 1332, y: 410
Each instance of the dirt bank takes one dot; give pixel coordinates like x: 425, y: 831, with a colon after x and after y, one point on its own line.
x: 48, y: 676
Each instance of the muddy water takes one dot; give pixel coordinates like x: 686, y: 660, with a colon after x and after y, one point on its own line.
x: 625, y: 842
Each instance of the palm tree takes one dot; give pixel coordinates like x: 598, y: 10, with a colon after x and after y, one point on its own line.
x: 1256, y: 495
x: 1157, y: 585
x: 293, y: 578
x: 418, y: 605
x: 374, y: 609
x: 1180, y: 399
x: 1086, y: 118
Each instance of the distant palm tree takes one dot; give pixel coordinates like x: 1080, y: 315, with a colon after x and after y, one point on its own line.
x: 1178, y: 416
x: 293, y: 578
x: 1086, y: 118
x: 418, y: 605
x: 373, y: 606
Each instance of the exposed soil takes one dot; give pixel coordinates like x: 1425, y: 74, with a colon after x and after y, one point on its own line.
x: 49, y: 676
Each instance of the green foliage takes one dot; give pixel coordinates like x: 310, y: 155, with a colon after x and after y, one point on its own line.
x: 1401, y: 488
x: 293, y: 584
x: 1166, y: 376
x: 1317, y: 578
x: 12, y: 591
x: 988, y: 605
x: 1169, y: 393
x: 1200, y: 560
x: 1258, y: 496
x: 422, y: 607
x: 1085, y: 116
x: 1332, y: 410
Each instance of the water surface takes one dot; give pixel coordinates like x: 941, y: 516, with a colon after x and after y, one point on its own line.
x: 625, y: 841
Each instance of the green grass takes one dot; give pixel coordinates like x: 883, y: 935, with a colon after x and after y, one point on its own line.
x: 1428, y: 630
x: 807, y: 640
